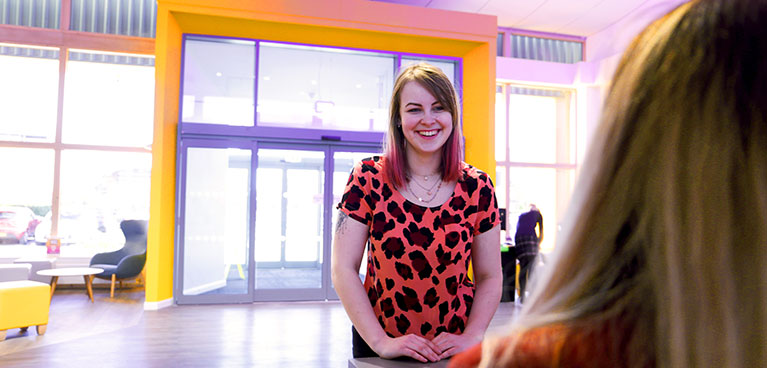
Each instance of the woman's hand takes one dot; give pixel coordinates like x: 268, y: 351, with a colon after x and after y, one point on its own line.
x: 450, y: 344
x: 413, y: 346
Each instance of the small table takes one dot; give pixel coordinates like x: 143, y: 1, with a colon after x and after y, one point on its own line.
x: 86, y: 272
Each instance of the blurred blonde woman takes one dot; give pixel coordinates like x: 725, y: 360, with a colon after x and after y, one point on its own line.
x: 664, y: 261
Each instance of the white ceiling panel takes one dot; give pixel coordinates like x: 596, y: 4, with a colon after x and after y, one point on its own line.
x: 568, y: 17
x: 421, y: 3
x: 555, y: 15
x: 593, y: 22
x: 469, y: 6
x: 511, y: 12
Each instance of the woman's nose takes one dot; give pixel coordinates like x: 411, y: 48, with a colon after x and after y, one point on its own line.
x: 430, y: 117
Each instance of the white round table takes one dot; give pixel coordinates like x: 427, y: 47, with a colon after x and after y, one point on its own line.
x: 86, y: 272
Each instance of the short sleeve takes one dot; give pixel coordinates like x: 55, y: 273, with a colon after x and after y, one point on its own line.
x: 487, y: 206
x: 353, y: 201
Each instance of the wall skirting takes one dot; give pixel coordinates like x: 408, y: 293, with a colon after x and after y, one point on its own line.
x: 153, y: 306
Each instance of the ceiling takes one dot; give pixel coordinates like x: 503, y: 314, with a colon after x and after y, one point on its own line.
x: 568, y: 17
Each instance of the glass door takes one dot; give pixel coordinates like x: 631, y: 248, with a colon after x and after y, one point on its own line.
x: 255, y: 219
x: 295, y: 215
x: 290, y: 182
x: 213, y: 222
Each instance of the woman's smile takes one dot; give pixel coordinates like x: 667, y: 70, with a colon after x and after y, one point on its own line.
x: 426, y: 124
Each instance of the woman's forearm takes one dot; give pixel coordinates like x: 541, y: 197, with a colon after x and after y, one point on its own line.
x: 487, y: 296
x: 355, y: 301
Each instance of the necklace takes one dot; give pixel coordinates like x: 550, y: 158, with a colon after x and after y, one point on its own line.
x: 428, y: 190
x: 425, y: 201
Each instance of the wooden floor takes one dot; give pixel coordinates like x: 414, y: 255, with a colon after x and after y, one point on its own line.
x: 119, y: 333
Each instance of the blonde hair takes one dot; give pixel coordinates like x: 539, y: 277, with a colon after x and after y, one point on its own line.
x: 667, y: 230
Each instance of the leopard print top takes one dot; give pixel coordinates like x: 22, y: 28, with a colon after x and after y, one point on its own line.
x: 418, y: 257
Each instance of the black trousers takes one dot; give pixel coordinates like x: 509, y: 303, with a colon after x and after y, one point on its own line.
x: 526, y: 265
x: 361, y: 349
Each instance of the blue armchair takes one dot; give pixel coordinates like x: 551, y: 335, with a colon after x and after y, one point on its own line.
x: 128, y: 262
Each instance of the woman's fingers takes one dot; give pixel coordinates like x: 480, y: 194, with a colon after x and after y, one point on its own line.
x: 425, y: 347
x: 444, y: 342
x: 416, y: 355
x: 448, y: 353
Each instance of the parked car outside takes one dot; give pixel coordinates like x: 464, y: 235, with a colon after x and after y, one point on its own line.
x: 17, y: 224
x: 73, y: 227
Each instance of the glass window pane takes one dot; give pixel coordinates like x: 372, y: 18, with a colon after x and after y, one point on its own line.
x: 218, y: 81
x: 323, y: 88
x: 98, y: 190
x: 548, y: 189
x: 500, y: 192
x: 29, y: 93
x: 500, y: 185
x: 532, y: 129
x: 289, y: 197
x: 216, y: 221
x: 499, y: 44
x: 25, y: 191
x: 533, y: 186
x: 448, y: 67
x: 500, y: 124
x: 108, y: 100
x: 539, y: 126
x: 268, y: 227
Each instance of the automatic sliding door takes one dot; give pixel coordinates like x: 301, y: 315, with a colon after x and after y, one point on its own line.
x: 289, y: 224
x: 214, y: 226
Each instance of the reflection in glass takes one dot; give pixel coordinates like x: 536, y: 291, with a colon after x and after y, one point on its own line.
x: 108, y: 100
x: 323, y: 88
x: 289, y: 197
x: 29, y: 94
x: 216, y: 221
x: 218, y: 81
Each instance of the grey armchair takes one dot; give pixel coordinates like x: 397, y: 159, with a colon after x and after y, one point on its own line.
x: 128, y: 262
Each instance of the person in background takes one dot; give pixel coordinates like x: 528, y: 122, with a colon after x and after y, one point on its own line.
x: 425, y: 216
x: 527, y: 244
x: 662, y: 260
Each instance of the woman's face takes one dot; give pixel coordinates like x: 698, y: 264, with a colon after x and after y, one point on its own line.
x: 426, y: 124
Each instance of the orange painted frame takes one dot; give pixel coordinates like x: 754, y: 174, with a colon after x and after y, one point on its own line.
x: 343, y: 23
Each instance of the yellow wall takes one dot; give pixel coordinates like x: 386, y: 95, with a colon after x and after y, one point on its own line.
x: 346, y: 23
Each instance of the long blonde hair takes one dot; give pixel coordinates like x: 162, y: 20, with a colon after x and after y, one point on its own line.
x: 667, y: 230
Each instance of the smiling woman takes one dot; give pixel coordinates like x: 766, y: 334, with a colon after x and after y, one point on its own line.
x: 425, y: 215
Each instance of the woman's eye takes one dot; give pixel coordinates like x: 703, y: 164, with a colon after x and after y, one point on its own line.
x: 413, y: 110
x: 439, y: 108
